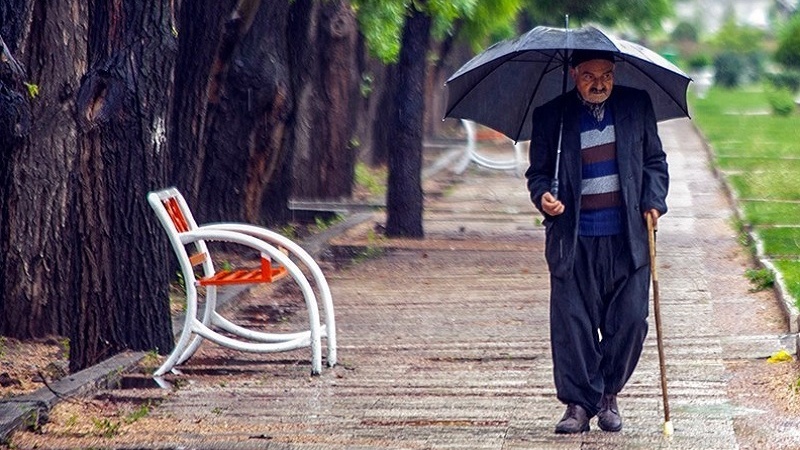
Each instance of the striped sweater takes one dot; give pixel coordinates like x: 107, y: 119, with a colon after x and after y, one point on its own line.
x: 601, y: 201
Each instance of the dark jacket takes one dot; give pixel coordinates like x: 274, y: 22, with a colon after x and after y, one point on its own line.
x: 642, y: 171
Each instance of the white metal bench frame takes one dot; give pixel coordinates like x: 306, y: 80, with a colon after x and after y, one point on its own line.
x: 272, y: 246
x: 471, y: 154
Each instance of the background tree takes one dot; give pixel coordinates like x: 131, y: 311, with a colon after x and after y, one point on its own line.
x: 739, y: 57
x: 404, y: 203
x: 381, y: 23
x: 788, y: 51
x: 325, y: 82
x: 121, y: 277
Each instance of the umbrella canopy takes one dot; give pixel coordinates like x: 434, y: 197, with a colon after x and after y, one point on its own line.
x: 502, y: 86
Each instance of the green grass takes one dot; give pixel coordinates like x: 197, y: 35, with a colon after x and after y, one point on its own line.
x: 759, y: 153
x: 781, y: 242
x: 791, y: 275
x: 771, y: 213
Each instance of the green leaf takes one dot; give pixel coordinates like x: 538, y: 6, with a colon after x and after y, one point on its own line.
x: 33, y: 89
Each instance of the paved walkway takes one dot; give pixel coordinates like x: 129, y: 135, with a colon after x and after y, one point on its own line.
x: 444, y: 341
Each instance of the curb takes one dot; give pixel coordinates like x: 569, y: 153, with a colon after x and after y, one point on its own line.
x: 31, y: 410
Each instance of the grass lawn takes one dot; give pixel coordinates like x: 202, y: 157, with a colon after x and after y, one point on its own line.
x: 759, y: 153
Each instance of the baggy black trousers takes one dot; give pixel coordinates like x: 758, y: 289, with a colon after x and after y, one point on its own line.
x: 598, y: 321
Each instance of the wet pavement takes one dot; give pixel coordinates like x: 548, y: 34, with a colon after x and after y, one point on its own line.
x: 443, y: 342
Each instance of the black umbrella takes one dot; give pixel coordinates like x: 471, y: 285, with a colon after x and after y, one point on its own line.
x: 502, y: 86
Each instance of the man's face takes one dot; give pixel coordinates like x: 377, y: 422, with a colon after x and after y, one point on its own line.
x: 594, y: 79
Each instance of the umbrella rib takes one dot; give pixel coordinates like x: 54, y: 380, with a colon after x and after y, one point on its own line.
x: 475, y: 85
x: 669, y: 94
x: 535, y: 89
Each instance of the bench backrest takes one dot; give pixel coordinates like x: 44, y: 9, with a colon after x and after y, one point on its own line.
x: 176, y: 218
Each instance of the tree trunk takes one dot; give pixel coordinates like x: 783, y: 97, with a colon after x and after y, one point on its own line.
x: 324, y: 81
x: 199, y: 38
x: 122, y: 300
x: 404, y: 197
x: 246, y: 127
x: 383, y: 121
x: 38, y: 228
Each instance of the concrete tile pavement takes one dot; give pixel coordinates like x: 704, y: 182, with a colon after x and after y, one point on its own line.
x: 444, y: 341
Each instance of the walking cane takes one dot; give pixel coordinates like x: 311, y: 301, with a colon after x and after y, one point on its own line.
x: 668, y: 429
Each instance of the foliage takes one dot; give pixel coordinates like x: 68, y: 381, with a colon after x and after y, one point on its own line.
x: 761, y: 279
x: 741, y: 39
x: 643, y: 15
x: 788, y: 52
x: 788, y: 80
x: 489, y: 22
x: 321, y: 223
x: 63, y: 345
x: 138, y: 413
x: 150, y: 361
x: 381, y: 21
x: 684, y: 31
x: 373, y: 180
x: 781, y: 101
x: 374, y: 249
x: 727, y: 69
x: 105, y: 427
x: 741, y: 54
x: 33, y: 89
x: 699, y: 60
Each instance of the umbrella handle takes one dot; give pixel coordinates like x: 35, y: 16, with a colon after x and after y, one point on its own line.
x: 554, y: 188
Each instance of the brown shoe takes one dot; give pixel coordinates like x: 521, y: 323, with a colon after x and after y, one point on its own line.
x: 575, y: 420
x: 608, y: 418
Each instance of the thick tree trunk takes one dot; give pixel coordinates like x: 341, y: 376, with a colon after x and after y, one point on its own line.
x: 404, y: 197
x: 122, y: 301
x: 323, y: 59
x: 38, y: 243
x: 246, y: 128
x: 15, y: 123
x: 199, y: 37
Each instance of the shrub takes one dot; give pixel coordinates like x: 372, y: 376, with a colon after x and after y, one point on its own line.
x: 728, y: 69
x: 781, y: 101
x: 699, y: 61
x: 788, y: 80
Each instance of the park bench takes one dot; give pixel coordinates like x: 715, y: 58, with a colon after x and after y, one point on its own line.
x: 277, y: 261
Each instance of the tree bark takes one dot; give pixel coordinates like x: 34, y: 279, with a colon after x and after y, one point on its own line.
x: 246, y: 128
x: 404, y: 196
x: 200, y: 32
x: 38, y: 227
x: 323, y: 59
x: 122, y: 301
x: 383, y: 121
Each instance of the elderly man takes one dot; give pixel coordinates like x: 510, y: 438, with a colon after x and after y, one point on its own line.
x: 612, y: 175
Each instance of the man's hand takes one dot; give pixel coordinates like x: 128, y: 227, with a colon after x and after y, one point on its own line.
x: 550, y: 205
x: 654, y: 214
